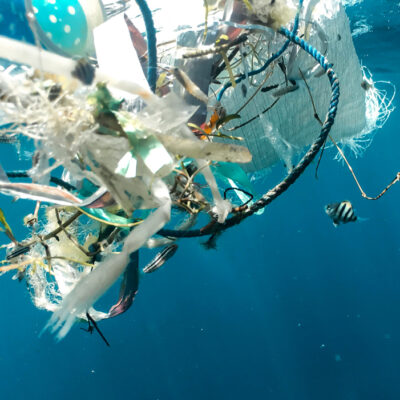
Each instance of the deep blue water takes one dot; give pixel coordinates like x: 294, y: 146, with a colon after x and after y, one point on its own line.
x: 288, y: 307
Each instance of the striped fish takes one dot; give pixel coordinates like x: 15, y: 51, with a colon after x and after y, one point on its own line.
x: 18, y: 251
x: 129, y: 287
x: 160, y: 258
x: 341, y: 213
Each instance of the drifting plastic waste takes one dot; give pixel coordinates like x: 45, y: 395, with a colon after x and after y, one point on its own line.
x: 159, y: 126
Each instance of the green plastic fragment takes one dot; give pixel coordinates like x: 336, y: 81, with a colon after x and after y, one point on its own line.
x: 106, y: 216
x: 152, y: 152
x: 146, y: 145
x: 105, y: 105
x: 104, y: 100
x: 127, y: 165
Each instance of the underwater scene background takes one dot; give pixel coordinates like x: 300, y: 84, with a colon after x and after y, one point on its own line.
x: 287, y: 307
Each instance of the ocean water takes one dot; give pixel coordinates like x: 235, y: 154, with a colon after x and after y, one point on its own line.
x: 287, y: 308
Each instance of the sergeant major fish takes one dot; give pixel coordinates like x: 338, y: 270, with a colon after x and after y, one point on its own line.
x: 341, y: 213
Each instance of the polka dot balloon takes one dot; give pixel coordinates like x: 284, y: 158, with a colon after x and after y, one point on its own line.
x: 66, y: 26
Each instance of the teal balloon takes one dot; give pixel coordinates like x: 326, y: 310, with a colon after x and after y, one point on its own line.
x: 64, y: 23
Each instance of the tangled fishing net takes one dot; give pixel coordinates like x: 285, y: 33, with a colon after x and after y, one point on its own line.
x: 145, y: 120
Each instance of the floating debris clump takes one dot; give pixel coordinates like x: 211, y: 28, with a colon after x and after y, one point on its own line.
x: 138, y: 139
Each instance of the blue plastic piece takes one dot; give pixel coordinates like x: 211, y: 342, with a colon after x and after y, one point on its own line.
x: 13, y: 22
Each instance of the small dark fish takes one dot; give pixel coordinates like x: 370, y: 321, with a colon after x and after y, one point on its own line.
x: 268, y: 88
x: 54, y: 92
x: 159, y: 260
x: 341, y: 213
x: 129, y: 287
x: 18, y: 251
x: 84, y: 71
x: 243, y: 87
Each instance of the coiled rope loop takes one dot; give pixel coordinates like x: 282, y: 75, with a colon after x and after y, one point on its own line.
x: 299, y: 168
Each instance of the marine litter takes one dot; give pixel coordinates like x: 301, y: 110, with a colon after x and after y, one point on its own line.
x: 144, y: 131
